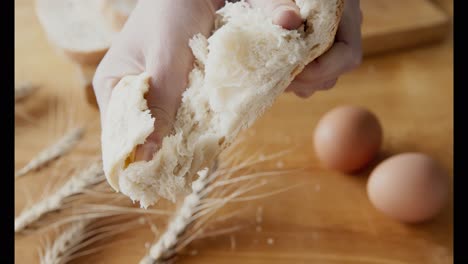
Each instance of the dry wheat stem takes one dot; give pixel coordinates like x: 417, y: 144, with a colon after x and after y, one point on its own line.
x: 83, y: 179
x: 84, y: 233
x: 23, y: 90
x: 60, y: 148
x: 205, y: 200
x: 219, y: 232
x: 72, y: 236
x: 88, y: 208
x: 93, y: 211
x: 161, y: 251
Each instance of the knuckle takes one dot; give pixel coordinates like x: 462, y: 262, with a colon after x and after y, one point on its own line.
x: 300, y: 94
x: 326, y: 86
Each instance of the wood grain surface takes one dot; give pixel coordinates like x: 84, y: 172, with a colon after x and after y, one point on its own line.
x: 397, y: 24
x: 327, y: 220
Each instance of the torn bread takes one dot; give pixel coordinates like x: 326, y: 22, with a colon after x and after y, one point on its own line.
x: 239, y: 71
x: 77, y: 28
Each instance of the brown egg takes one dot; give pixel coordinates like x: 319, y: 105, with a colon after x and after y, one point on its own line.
x: 409, y: 187
x: 347, y: 138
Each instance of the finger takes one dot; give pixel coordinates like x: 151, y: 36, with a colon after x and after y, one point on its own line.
x: 349, y: 30
x: 163, y: 100
x: 284, y: 13
x: 217, y: 4
x: 146, y: 151
x: 338, y: 60
x: 305, y: 91
x: 327, y: 85
x: 168, y: 82
x: 153, y: 142
x: 344, y: 55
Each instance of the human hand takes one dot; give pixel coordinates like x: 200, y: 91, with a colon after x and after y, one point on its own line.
x: 155, y: 39
x: 342, y: 57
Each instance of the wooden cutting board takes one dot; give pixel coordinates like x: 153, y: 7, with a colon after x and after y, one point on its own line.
x: 397, y: 24
x: 327, y: 220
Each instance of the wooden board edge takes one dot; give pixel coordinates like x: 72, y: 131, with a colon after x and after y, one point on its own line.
x: 372, y: 45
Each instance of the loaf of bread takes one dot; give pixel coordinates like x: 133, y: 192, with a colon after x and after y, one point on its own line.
x: 239, y: 71
x: 82, y: 30
x: 77, y: 28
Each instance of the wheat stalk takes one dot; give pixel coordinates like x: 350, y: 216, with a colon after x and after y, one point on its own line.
x: 161, y: 250
x: 58, y: 252
x: 23, y: 90
x: 75, y: 185
x: 82, y: 234
x: 211, y: 191
x: 60, y: 148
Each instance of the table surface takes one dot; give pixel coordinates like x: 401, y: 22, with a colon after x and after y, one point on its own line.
x: 329, y: 218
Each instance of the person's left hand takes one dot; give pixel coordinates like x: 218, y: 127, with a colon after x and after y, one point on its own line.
x: 344, y: 56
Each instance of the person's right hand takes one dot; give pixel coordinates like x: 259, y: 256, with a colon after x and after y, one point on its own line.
x: 155, y: 39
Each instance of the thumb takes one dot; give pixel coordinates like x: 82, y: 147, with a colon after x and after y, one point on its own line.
x: 162, y: 127
x: 284, y: 13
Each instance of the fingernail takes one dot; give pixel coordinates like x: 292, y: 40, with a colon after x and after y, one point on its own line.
x: 146, y: 151
x: 287, y: 17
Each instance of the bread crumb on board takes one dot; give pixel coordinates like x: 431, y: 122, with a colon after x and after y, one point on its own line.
x: 270, y: 241
x: 233, y: 242
x: 279, y: 164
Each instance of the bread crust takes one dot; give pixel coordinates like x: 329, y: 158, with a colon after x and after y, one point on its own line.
x: 52, y: 12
